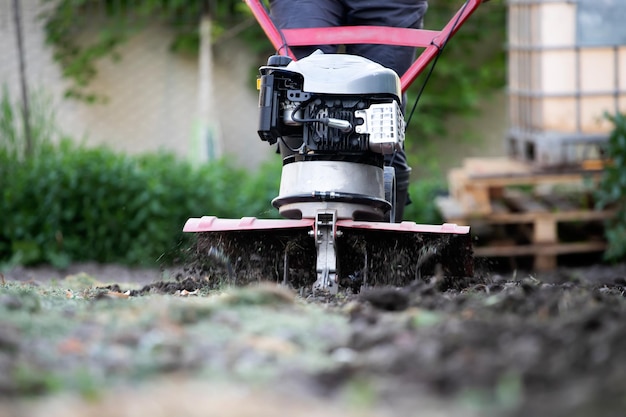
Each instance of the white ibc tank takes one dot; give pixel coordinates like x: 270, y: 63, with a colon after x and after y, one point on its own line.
x: 567, y: 68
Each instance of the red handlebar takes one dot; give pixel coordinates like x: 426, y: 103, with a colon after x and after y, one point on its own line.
x: 431, y: 40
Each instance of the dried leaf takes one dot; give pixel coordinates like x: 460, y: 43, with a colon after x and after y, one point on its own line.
x: 71, y: 345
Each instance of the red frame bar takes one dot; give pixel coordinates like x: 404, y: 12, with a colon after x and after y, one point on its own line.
x: 431, y: 40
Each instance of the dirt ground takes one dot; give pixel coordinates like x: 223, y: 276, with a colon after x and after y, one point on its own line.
x: 512, y: 344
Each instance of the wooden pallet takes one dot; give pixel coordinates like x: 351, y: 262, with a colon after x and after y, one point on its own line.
x: 480, y: 181
x: 515, y: 211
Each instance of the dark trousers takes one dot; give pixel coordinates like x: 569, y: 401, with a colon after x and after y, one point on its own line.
x: 289, y: 14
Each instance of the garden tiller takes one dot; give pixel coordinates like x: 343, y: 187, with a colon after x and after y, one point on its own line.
x: 334, y: 117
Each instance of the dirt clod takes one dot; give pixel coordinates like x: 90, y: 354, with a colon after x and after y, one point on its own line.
x: 386, y: 298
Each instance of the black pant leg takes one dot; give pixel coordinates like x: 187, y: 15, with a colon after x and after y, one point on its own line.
x: 291, y: 14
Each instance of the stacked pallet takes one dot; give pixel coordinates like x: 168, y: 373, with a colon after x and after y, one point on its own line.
x: 518, y: 211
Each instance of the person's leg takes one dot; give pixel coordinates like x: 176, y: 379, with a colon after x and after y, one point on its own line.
x: 291, y: 14
x: 394, y: 13
x: 403, y: 173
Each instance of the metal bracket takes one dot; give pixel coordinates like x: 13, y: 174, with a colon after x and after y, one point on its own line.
x: 325, y: 232
x: 385, y: 125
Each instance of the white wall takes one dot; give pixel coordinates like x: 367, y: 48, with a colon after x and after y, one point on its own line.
x: 153, y: 101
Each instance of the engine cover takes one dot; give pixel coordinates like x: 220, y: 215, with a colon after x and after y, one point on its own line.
x: 334, y: 117
x: 331, y: 103
x: 345, y: 74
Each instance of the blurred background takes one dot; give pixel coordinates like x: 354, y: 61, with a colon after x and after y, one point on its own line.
x: 119, y: 119
x: 144, y: 75
x: 129, y: 74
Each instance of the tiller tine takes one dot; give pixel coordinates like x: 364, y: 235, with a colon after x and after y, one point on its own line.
x: 325, y: 253
x: 251, y: 249
x: 399, y: 253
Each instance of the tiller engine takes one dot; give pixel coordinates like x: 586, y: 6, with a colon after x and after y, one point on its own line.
x: 334, y: 117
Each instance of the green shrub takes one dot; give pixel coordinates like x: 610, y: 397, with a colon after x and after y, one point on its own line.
x: 612, y: 190
x: 77, y: 204
x: 41, y: 120
x: 64, y: 203
x: 422, y: 208
x: 74, y: 203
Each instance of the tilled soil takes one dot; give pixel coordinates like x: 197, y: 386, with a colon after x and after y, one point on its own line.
x: 530, y: 347
x: 510, y: 345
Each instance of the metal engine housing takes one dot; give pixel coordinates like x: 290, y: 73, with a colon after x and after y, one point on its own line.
x: 334, y: 117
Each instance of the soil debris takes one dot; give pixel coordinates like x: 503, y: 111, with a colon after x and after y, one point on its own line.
x: 386, y: 298
x: 500, y: 345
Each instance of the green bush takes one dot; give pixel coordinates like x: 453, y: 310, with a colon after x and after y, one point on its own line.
x: 423, y: 193
x: 77, y: 204
x: 63, y: 203
x: 41, y: 120
x: 74, y: 203
x: 612, y: 190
